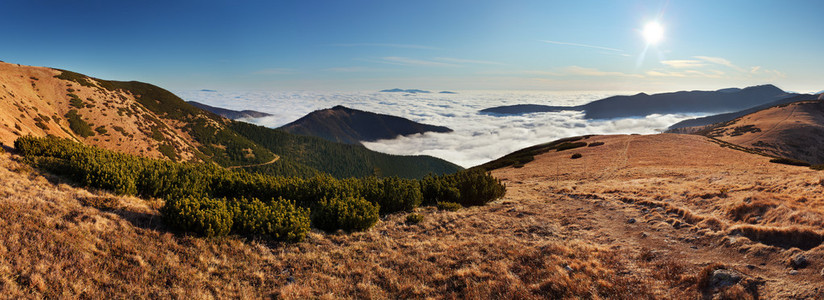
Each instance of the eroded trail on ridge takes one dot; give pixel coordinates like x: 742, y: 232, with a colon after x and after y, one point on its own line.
x: 669, y: 203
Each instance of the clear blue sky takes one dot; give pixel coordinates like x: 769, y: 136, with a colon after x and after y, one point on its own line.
x: 357, y: 45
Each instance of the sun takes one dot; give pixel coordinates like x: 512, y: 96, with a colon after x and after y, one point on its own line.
x: 653, y: 33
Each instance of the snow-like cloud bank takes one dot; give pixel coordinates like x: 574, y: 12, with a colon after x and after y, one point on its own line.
x: 477, y: 138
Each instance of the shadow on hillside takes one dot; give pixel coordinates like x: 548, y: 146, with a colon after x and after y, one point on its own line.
x: 142, y: 220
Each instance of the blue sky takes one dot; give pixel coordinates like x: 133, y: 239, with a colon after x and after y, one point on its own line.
x: 438, y: 45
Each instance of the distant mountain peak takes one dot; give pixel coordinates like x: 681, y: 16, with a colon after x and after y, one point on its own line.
x: 642, y: 104
x: 411, y: 91
x: 228, y: 113
x: 351, y: 126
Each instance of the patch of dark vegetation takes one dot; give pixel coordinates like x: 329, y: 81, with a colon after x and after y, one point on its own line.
x: 523, y: 156
x: 75, y: 77
x: 101, y: 129
x: 740, y: 130
x: 168, y: 151
x: 790, y: 161
x: 595, y: 144
x: 346, y: 213
x: 783, y: 237
x: 340, y: 160
x: 763, y: 144
x: 448, y: 206
x: 77, y: 124
x: 414, y: 218
x: 576, y: 156
x: 210, y: 201
x: 567, y: 146
x: 75, y: 101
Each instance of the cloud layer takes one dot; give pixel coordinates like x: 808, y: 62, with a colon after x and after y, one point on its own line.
x: 476, y: 139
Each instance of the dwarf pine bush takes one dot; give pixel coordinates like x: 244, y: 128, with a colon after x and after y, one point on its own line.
x: 200, y: 215
x: 279, y: 219
x: 347, y: 213
x: 192, y: 189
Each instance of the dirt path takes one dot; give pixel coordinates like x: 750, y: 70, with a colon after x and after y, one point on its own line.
x: 649, y: 197
x: 256, y: 165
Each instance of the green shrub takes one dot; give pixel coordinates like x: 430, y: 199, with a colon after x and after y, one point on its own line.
x: 203, y: 216
x: 279, y: 219
x: 449, y: 206
x: 595, y: 144
x: 77, y: 124
x: 398, y: 194
x: 414, y: 218
x: 576, y: 156
x: 468, y: 188
x: 439, y: 189
x: 101, y: 129
x: 570, y: 145
x: 347, y: 213
x: 349, y: 204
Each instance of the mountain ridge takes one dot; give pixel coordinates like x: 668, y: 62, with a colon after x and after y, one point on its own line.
x: 228, y: 113
x: 642, y: 104
x: 351, y: 126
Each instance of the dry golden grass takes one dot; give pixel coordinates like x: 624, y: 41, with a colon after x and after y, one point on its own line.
x: 692, y: 202
x: 563, y: 231
x: 57, y: 241
x: 30, y: 93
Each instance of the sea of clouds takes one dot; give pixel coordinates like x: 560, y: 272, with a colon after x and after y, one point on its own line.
x: 477, y: 138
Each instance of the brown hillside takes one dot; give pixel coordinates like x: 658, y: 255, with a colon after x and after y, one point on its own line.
x: 563, y: 231
x: 683, y: 203
x: 34, y: 102
x: 795, y: 130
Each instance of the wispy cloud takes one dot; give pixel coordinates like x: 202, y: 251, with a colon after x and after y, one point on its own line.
x: 386, y: 45
x: 406, y: 61
x: 686, y: 73
x: 720, y: 61
x: 582, y: 45
x: 684, y: 63
x: 355, y: 69
x: 468, y: 61
x: 275, y: 71
x: 757, y: 70
x: 576, y: 70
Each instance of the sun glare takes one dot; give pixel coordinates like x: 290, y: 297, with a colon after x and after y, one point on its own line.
x: 653, y: 33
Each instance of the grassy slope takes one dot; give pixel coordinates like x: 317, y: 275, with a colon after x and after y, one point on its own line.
x: 341, y: 160
x: 231, y: 143
x: 59, y: 241
x: 677, y: 204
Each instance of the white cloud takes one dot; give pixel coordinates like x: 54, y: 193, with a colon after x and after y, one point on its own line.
x: 477, y: 138
x: 720, y: 61
x: 576, y: 70
x: 683, y: 63
x: 581, y: 45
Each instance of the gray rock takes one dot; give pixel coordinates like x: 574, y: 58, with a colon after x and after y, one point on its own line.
x: 793, y: 272
x: 631, y: 221
x: 724, y: 278
x: 799, y: 261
